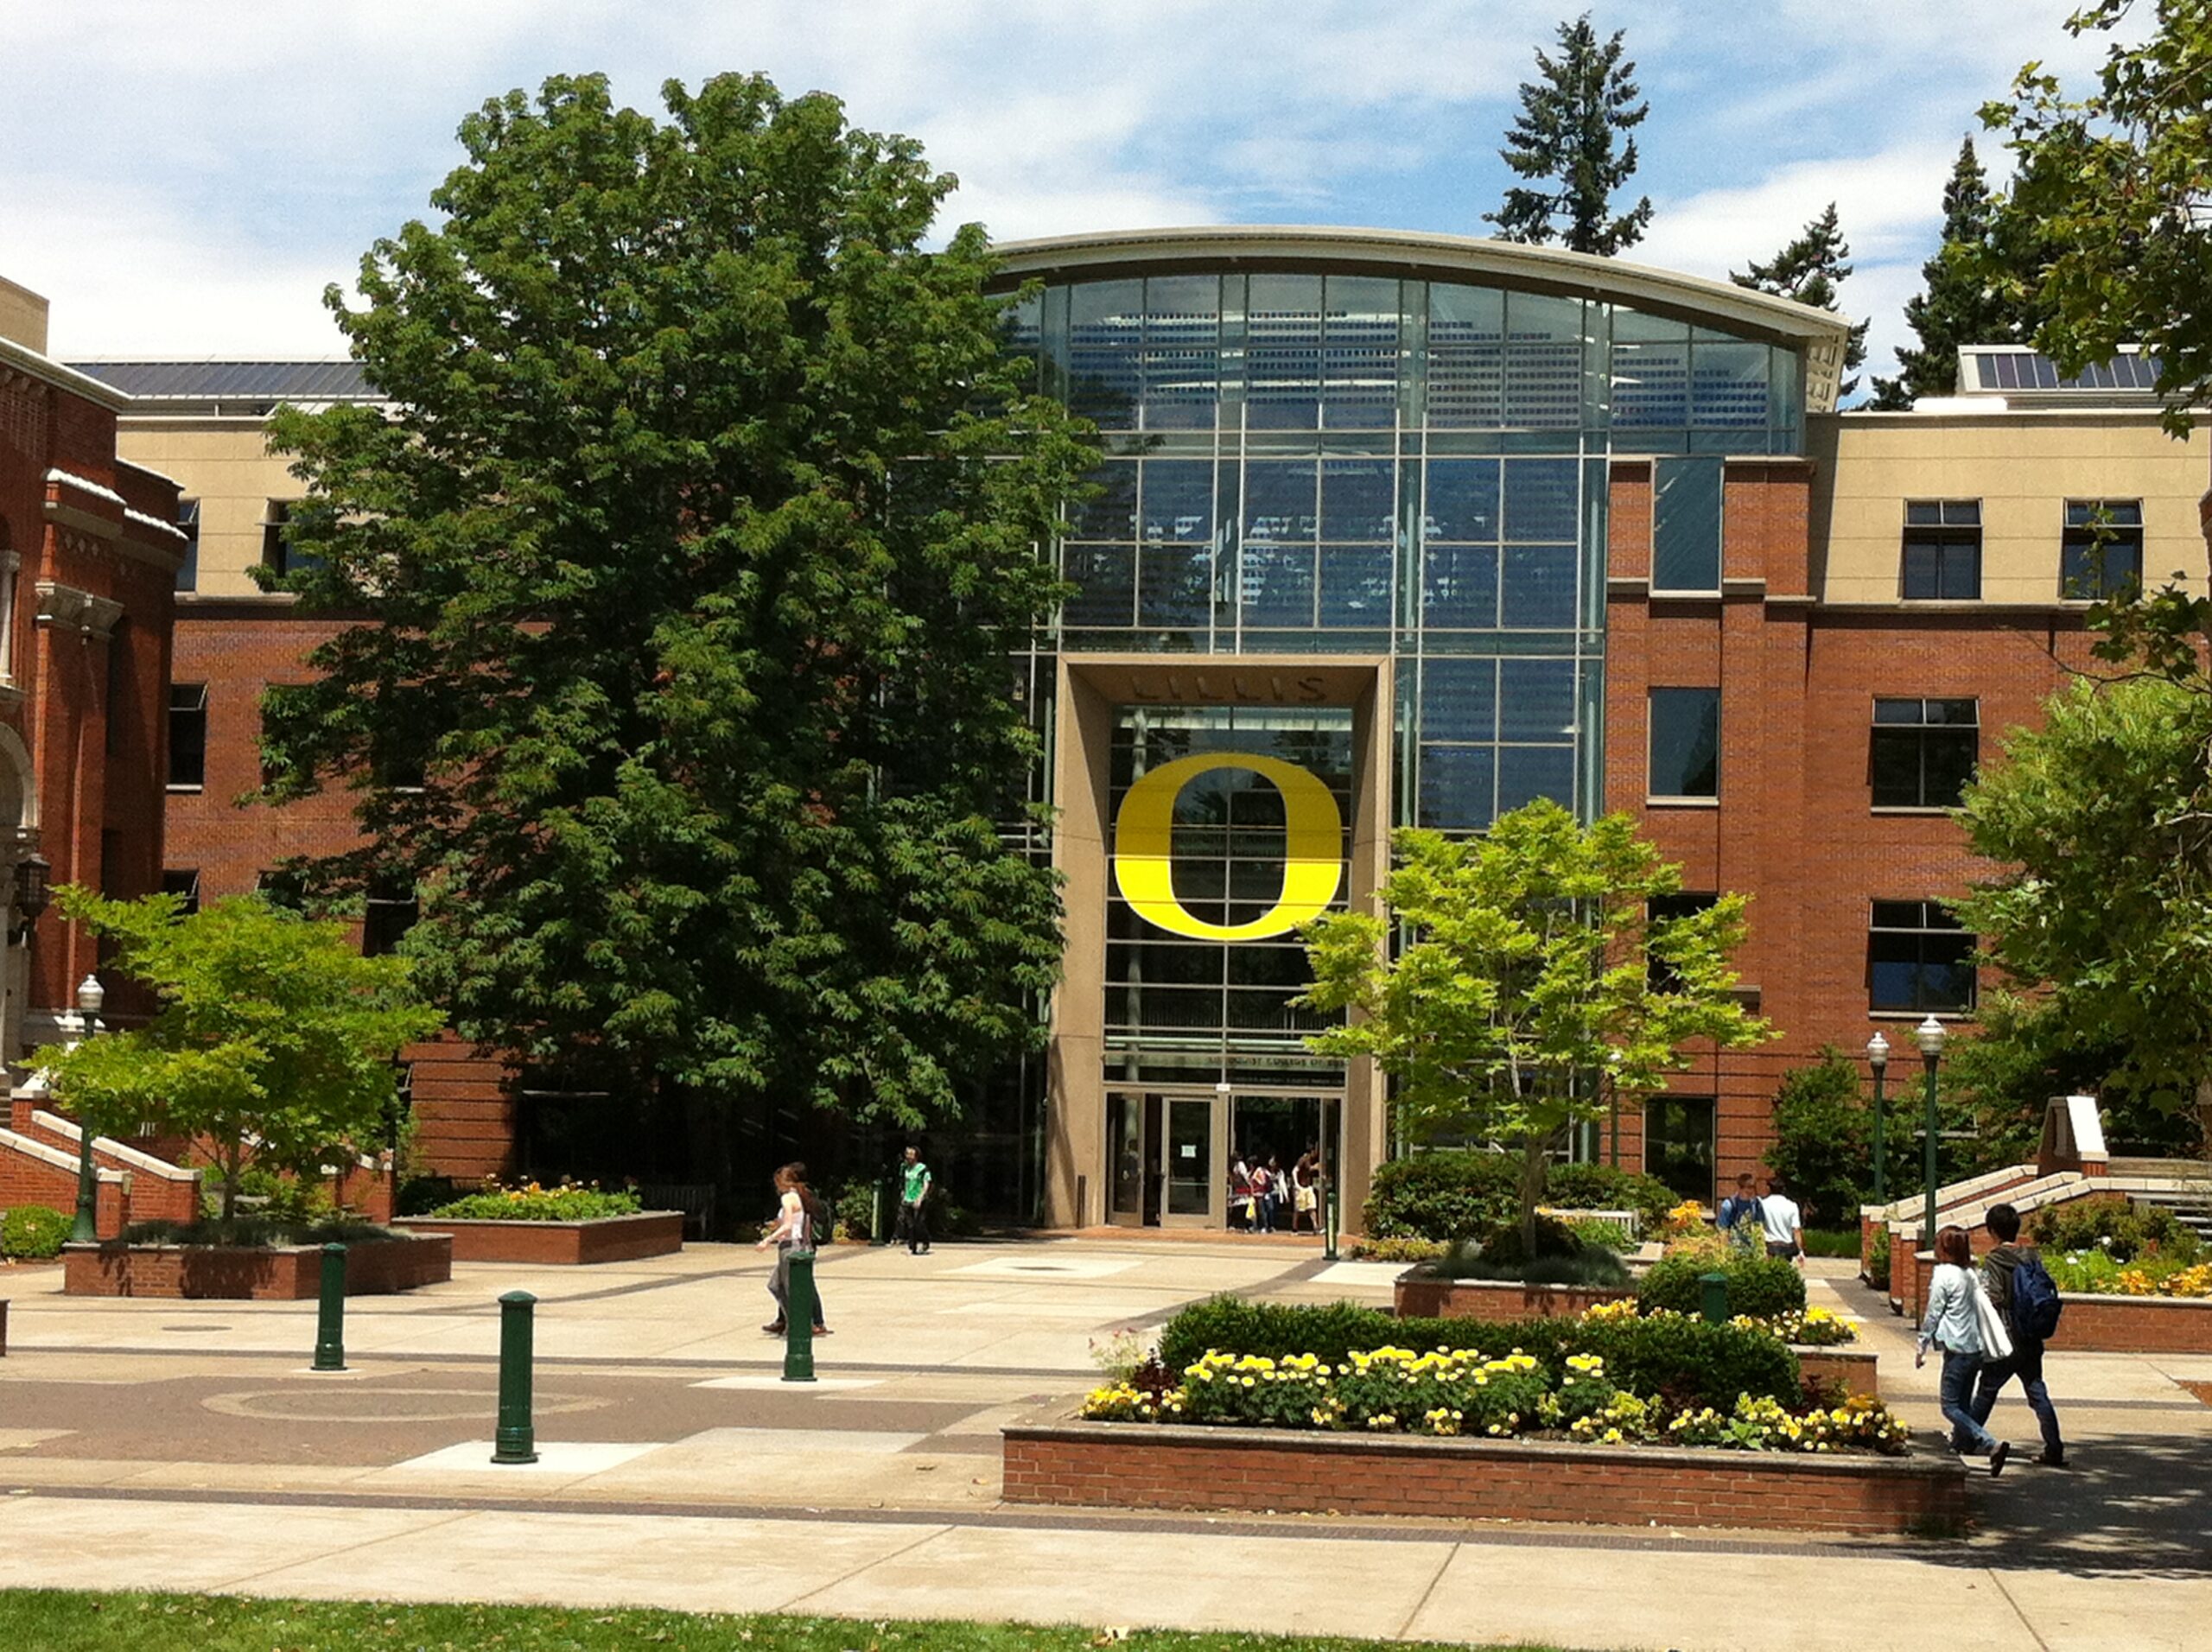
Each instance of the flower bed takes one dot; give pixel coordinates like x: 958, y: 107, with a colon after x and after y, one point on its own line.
x: 258, y: 1274
x: 1176, y: 1466
x: 552, y: 1243
x: 570, y: 1202
x: 2153, y: 1273
x: 2134, y: 1324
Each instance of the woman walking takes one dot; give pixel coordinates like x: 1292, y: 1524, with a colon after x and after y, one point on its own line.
x: 1955, y: 1324
x: 799, y: 1218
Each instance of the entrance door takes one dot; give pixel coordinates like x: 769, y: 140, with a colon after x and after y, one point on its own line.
x: 1190, y: 1166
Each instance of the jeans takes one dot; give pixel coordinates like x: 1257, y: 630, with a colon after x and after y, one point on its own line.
x: 2026, y: 1364
x: 779, y: 1287
x: 914, y: 1225
x: 1967, y: 1435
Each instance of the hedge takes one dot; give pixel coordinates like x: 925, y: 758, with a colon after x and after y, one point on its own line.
x: 1763, y: 1286
x: 1688, y: 1358
x: 1455, y: 1193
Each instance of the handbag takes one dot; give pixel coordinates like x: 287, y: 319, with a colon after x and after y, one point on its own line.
x: 1996, y: 1343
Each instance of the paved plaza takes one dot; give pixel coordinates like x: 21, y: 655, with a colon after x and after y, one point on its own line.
x: 184, y: 1446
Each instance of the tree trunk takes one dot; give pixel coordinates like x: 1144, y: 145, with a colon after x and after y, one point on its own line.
x: 233, y: 1164
x: 2204, y: 1117
x: 1532, y: 1189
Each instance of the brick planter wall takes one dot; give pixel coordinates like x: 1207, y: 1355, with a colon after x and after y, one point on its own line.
x: 1855, y: 1368
x: 2134, y: 1324
x: 1151, y: 1465
x: 285, y: 1274
x: 604, y: 1239
x: 1417, y: 1296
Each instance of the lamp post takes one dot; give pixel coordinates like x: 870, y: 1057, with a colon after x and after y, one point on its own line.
x: 1878, y: 1058
x: 86, y: 1230
x: 1930, y: 1035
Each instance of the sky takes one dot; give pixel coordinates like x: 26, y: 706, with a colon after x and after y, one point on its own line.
x: 184, y: 178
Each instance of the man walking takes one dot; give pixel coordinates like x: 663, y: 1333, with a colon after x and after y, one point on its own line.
x: 2020, y: 1289
x: 1783, y: 1223
x: 913, y: 1203
x: 1738, y: 1217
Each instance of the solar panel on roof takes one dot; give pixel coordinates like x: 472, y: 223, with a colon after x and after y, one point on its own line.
x: 267, y: 381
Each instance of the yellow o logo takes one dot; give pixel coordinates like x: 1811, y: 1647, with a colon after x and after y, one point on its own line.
x: 1144, y: 832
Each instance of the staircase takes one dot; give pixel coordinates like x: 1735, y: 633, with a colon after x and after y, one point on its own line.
x: 38, y: 1166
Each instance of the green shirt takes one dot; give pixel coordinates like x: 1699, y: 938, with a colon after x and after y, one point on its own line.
x: 917, y: 1181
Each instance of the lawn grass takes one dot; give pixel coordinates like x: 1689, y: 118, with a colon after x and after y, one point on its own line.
x: 54, y: 1620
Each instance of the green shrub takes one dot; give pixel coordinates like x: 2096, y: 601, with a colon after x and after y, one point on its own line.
x: 1763, y: 1286
x: 1698, y: 1362
x: 1822, y: 1137
x: 2121, y: 1231
x: 1562, y: 1257
x: 536, y: 1203
x: 1606, y: 1187
x: 855, y: 1205
x: 34, y: 1230
x: 1831, y: 1241
x: 1878, y: 1260
x: 1453, y: 1193
x: 420, y: 1195
x: 274, y: 1194
x: 253, y: 1232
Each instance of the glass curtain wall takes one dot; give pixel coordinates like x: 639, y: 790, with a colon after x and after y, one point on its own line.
x: 1307, y: 463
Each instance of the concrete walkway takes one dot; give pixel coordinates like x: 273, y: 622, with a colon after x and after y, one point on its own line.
x: 167, y: 1444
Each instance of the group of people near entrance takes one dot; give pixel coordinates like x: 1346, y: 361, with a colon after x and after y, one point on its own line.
x: 1264, y: 1198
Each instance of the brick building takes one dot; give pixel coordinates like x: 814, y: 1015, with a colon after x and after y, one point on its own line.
x: 89, y: 553
x: 1415, y: 528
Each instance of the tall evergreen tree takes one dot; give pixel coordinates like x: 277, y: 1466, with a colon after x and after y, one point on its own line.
x: 1959, y: 306
x: 1810, y: 269
x: 692, y: 551
x: 1565, y: 137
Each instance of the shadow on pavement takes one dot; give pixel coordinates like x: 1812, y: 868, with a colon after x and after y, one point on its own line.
x: 2140, y: 1505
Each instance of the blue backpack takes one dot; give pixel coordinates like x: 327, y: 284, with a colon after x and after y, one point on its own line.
x: 2035, y: 1303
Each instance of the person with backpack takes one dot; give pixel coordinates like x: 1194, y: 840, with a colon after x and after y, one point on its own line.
x: 2021, y: 1289
x: 1960, y: 1325
x: 802, y: 1221
x: 1741, y: 1217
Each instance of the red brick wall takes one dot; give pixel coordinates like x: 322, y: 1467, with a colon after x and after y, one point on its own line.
x: 1794, y: 827
x: 464, y: 1116
x: 293, y: 1274
x: 1144, y: 1465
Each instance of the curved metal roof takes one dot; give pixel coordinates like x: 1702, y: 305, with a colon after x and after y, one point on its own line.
x: 1820, y: 334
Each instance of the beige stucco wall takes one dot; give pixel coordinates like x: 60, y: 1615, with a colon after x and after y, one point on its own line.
x: 224, y: 463
x: 23, y: 316
x: 2024, y: 466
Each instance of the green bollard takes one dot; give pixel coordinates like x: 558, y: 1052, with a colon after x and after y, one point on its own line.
x: 799, y: 1317
x: 517, y: 1440
x: 330, y: 1320
x: 1714, y: 1289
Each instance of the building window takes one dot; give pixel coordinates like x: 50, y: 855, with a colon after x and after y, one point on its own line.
x: 1662, y: 909
x: 1685, y: 526
x: 10, y: 563
x: 2102, y: 555
x: 1923, y: 752
x: 184, y: 881
x: 1678, y: 1144
x: 1919, y: 960
x: 1685, y: 743
x: 287, y: 890
x: 392, y: 912
x: 187, y: 736
x: 274, y: 550
x: 1943, y: 550
x: 187, y: 521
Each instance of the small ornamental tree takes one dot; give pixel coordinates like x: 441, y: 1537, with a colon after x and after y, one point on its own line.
x: 1528, y: 964
x: 274, y: 1041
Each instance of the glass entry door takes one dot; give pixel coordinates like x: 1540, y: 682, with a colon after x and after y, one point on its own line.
x: 1190, y: 1164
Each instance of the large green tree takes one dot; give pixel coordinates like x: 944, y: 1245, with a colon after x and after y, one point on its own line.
x: 2103, y: 818
x: 692, y: 545
x: 1811, y: 269
x: 1529, y: 964
x: 2120, y: 182
x: 273, y: 1040
x: 1570, y: 139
